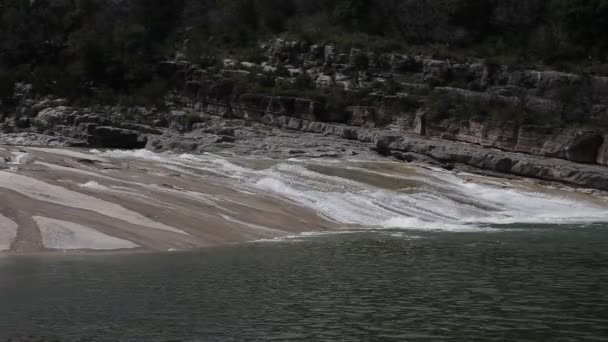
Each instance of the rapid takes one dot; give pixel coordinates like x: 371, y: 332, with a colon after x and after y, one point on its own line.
x: 121, y: 200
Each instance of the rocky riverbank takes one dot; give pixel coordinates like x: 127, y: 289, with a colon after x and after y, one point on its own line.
x: 83, y: 200
x: 455, y: 114
x: 472, y: 101
x: 80, y: 200
x: 287, y: 137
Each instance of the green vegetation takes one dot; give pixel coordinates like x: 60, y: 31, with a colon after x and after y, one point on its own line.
x: 83, y: 49
x: 441, y: 107
x: 189, y: 119
x: 107, y: 51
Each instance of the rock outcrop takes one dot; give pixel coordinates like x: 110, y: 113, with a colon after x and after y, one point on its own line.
x: 285, y: 127
x: 576, y: 145
x: 103, y: 127
x: 396, y: 88
x: 35, y: 139
x: 248, y: 133
x: 512, y: 163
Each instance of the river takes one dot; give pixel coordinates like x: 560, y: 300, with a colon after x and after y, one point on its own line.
x: 308, y: 250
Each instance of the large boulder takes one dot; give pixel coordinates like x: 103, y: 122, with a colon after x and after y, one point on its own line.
x: 49, y: 117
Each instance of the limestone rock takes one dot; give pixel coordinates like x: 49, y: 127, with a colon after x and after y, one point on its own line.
x: 602, y: 157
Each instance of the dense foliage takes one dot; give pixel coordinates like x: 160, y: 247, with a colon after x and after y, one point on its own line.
x: 80, y: 48
x: 73, y: 48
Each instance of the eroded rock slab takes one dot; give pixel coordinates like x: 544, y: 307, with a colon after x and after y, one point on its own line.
x: 61, y: 199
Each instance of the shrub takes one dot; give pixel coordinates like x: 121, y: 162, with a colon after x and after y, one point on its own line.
x: 438, y: 106
x: 188, y: 120
x: 392, y: 87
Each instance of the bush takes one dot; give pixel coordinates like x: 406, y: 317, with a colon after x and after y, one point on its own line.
x: 438, y: 106
x: 409, y: 103
x: 74, y: 48
x: 188, y: 120
x: 392, y: 87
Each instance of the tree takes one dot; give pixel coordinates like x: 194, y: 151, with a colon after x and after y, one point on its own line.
x: 159, y: 17
x: 350, y: 13
x: 585, y: 20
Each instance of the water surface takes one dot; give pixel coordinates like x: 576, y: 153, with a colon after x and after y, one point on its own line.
x: 343, y: 250
x: 520, y: 283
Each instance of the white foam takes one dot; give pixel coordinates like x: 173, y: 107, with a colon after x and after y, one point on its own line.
x: 308, y: 235
x: 517, y: 206
x: 42, y: 191
x: 178, y: 163
x: 450, y: 204
x: 21, y: 158
x: 444, y: 201
x: 64, y: 235
x: 418, y: 224
x: 8, y: 232
x: 126, y: 154
x: 92, y: 185
x: 404, y: 236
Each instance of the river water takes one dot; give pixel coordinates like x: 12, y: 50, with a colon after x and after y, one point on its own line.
x: 526, y: 283
x: 324, y: 251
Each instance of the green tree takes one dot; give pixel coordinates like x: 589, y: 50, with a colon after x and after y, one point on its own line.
x: 350, y: 13
x: 585, y: 20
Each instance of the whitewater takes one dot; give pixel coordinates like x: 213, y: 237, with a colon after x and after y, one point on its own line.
x: 410, y: 198
x: 91, y: 200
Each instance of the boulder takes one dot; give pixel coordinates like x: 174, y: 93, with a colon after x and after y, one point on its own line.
x: 49, y: 117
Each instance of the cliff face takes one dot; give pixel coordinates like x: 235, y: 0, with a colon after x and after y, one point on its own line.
x: 248, y: 124
x: 571, y: 144
x: 473, y: 102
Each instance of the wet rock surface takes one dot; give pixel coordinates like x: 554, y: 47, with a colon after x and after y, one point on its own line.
x: 237, y: 137
x: 291, y: 137
x: 251, y: 131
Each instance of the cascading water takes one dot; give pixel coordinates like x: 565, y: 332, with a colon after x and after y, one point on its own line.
x: 349, y: 193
